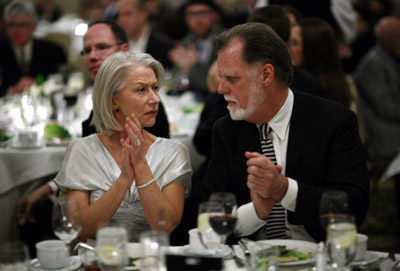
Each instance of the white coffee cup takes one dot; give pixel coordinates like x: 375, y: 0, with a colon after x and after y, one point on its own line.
x: 362, y: 244
x: 194, y: 240
x: 52, y: 254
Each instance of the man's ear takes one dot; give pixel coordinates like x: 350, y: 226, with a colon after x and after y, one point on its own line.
x: 267, y: 73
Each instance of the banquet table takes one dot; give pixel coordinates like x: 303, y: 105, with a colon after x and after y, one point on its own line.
x: 21, y: 170
x: 381, y: 261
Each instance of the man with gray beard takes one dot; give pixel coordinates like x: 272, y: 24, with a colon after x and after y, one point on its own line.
x: 279, y: 150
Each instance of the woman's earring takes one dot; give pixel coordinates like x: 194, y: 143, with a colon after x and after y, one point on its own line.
x: 117, y: 110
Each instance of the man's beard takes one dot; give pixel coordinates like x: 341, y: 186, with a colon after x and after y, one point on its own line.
x: 256, y: 98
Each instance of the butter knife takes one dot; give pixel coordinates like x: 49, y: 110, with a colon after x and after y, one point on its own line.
x: 239, y: 262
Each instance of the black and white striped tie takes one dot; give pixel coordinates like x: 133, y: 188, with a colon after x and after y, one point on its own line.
x: 275, y: 225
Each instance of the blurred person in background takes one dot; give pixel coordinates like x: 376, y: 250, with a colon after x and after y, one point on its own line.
x: 194, y: 56
x: 378, y: 84
x: 124, y: 173
x: 276, y: 17
x: 133, y: 16
x: 23, y: 57
x: 47, y: 10
x: 314, y: 47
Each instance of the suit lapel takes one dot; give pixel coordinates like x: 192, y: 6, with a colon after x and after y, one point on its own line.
x: 298, y: 130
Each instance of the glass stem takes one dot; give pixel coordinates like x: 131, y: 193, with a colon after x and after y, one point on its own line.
x: 222, y: 244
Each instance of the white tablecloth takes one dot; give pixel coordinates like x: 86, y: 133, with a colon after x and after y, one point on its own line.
x: 18, y: 167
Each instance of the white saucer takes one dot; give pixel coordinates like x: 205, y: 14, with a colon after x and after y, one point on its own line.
x: 187, y: 250
x: 75, y: 263
x: 369, y: 257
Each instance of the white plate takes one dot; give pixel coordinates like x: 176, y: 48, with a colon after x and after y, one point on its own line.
x: 187, y: 250
x: 369, y: 257
x: 298, y: 245
x: 75, y: 264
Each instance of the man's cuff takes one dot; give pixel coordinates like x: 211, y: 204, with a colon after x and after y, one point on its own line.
x: 248, y: 221
x: 289, y: 200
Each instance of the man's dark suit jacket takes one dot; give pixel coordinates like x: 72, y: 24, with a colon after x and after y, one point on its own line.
x: 47, y: 58
x: 158, y: 47
x: 324, y: 152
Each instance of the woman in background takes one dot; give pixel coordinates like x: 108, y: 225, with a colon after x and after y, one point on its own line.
x: 314, y: 47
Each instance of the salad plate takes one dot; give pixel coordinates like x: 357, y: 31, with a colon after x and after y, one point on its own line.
x: 295, y: 245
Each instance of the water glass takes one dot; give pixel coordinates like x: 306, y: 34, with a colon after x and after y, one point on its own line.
x: 14, y: 256
x: 153, y: 246
x: 341, y: 242
x: 263, y: 256
x: 111, y: 248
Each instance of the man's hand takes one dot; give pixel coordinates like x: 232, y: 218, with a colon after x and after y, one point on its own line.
x: 264, y: 178
x: 24, y: 208
x: 23, y: 83
x: 184, y: 57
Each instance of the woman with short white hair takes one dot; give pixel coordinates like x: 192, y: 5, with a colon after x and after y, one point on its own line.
x: 123, y: 173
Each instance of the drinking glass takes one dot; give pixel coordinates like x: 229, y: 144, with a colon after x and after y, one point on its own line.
x: 334, y: 203
x: 222, y: 212
x: 66, y: 219
x: 264, y: 256
x: 111, y: 248
x: 208, y: 237
x: 153, y: 246
x: 29, y: 111
x: 14, y: 256
x: 341, y: 242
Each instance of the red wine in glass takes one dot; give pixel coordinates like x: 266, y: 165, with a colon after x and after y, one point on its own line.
x: 223, y: 224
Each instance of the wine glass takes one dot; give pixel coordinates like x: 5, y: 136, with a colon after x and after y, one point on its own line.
x: 66, y: 219
x: 222, y: 213
x: 334, y: 203
x: 111, y: 248
x: 14, y: 256
x: 208, y: 237
x: 342, y: 241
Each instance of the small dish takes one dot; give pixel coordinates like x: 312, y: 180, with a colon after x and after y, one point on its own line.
x: 75, y: 263
x: 187, y: 250
x: 369, y: 257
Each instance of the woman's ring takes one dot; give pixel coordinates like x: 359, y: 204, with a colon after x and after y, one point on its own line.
x: 137, y: 143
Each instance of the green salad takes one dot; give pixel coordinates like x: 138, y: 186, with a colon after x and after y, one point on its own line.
x: 285, y: 255
x: 3, y: 136
x: 52, y: 131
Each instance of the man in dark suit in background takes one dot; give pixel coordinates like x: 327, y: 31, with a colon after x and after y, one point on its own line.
x: 315, y: 141
x: 23, y: 57
x: 133, y: 16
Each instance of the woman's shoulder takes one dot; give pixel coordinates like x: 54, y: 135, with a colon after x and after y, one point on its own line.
x: 91, y: 141
x: 168, y: 143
